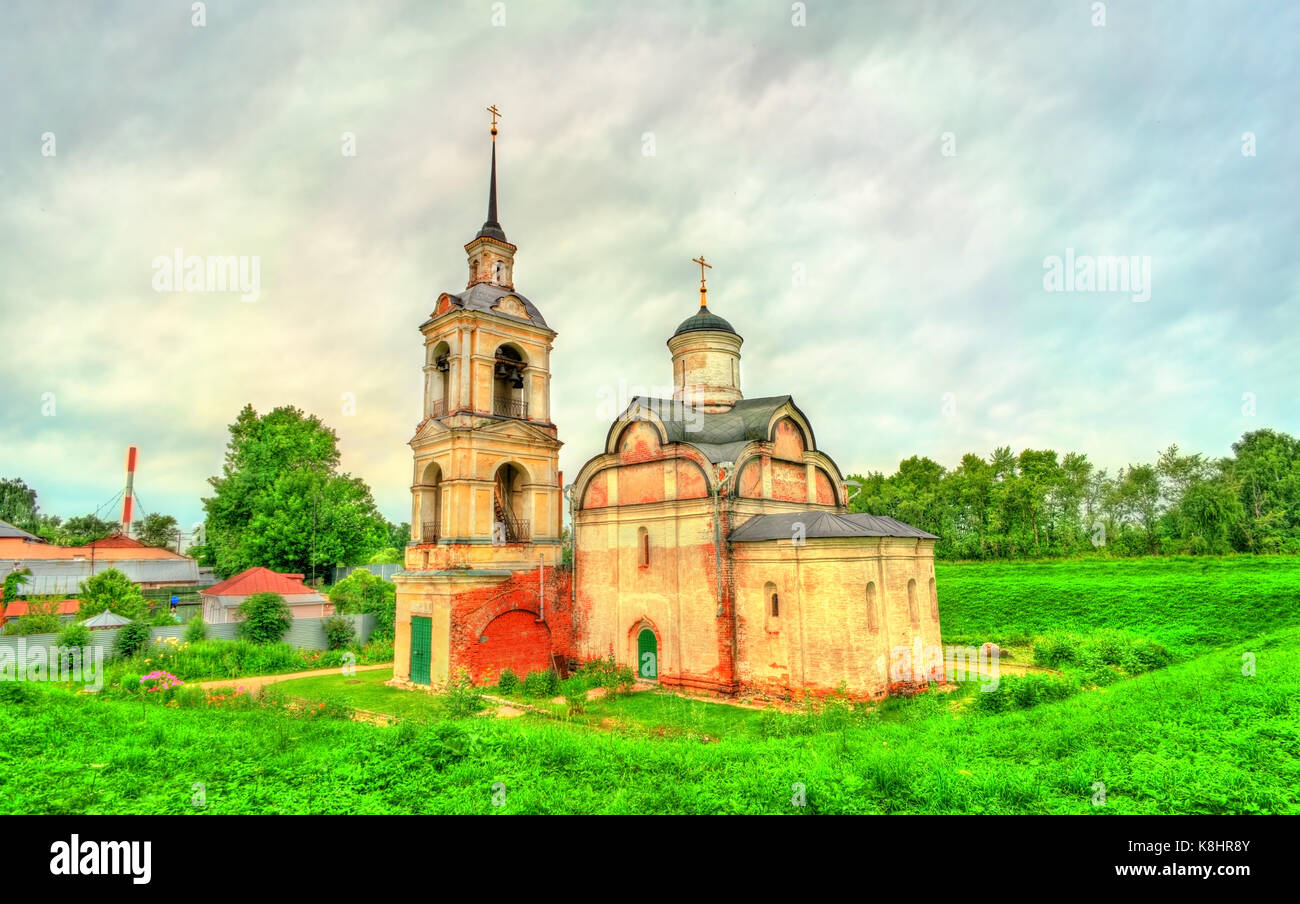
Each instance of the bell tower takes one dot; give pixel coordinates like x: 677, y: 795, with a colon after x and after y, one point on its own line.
x: 485, y: 488
x: 486, y: 503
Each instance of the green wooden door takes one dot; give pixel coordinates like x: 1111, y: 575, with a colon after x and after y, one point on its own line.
x: 421, y: 647
x: 647, y: 654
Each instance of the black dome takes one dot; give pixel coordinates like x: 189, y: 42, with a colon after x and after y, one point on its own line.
x: 704, y: 319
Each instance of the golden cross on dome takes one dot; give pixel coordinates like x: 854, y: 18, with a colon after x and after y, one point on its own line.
x: 495, y: 115
x: 703, y: 264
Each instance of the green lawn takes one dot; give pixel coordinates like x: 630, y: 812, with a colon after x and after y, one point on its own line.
x: 366, y: 690
x: 1197, y: 736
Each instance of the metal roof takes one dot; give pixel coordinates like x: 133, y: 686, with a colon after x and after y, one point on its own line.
x: 8, y: 530
x: 704, y: 319
x: 817, y: 524
x: 482, y: 296
x: 720, y: 435
x: 106, y: 619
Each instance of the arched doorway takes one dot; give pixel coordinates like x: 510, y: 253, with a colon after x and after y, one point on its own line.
x: 647, y: 654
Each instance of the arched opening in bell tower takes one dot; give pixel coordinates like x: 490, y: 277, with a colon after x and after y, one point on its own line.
x: 508, y: 504
x: 508, y: 399
x: 439, y: 383
x: 430, y: 493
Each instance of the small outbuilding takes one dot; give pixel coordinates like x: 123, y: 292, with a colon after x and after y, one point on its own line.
x: 106, y: 620
x: 222, y: 601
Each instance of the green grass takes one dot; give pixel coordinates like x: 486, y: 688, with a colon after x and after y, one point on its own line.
x: 1189, y: 604
x: 366, y: 690
x: 1197, y: 736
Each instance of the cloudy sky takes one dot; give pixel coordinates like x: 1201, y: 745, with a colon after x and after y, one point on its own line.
x: 878, y: 189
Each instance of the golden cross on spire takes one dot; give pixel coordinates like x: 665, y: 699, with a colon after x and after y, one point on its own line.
x: 703, y: 264
x: 495, y: 114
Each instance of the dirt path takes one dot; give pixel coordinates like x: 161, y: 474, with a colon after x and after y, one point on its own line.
x: 253, y: 682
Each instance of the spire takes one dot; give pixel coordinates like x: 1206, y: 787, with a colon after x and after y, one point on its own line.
x: 491, y: 228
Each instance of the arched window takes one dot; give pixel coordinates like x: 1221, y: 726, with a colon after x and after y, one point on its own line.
x: 912, y: 611
x: 473, y: 270
x: 873, y: 616
x: 772, y: 606
x: 498, y: 271
x: 643, y: 546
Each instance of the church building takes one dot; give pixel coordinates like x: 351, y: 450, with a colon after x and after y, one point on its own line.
x: 713, y: 547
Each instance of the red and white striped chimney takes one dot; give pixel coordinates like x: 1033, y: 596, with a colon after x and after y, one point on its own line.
x: 128, y: 495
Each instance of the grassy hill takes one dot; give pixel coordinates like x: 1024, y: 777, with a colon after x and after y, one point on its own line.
x: 1196, y: 736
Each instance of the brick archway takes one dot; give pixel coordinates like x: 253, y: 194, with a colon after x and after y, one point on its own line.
x: 515, y: 640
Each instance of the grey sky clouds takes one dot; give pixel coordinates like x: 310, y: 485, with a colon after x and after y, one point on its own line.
x: 775, y: 146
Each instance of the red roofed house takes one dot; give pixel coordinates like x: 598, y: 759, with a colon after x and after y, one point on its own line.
x: 19, y: 608
x: 221, y: 600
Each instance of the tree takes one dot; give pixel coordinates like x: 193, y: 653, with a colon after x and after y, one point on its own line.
x: 281, y: 503
x: 131, y: 639
x: 77, y: 531
x: 18, y: 504
x: 157, y: 530
x: 1266, y: 469
x: 111, y: 590
x: 363, y: 593
x: 399, y: 535
x: 266, y: 618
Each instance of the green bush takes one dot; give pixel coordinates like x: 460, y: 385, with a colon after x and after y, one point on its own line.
x: 507, y: 682
x: 363, y: 593
x: 196, y: 629
x: 574, y: 691
x: 463, y: 698
x: 608, y: 674
x: 266, y: 618
x: 32, y: 623
x: 1023, y: 692
x: 339, y: 632
x: 541, y: 684
x: 74, y: 634
x: 376, y: 651
x: 1055, y: 650
x: 131, y: 639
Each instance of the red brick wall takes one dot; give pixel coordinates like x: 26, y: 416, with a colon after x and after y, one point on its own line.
x: 507, y: 614
x: 517, y: 641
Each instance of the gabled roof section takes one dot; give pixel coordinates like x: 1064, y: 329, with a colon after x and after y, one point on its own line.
x: 780, y: 526
x: 106, y: 619
x: 721, y: 436
x: 259, y: 580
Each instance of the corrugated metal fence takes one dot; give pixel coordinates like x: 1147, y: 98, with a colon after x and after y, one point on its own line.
x: 384, y: 571
x: 304, y: 633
